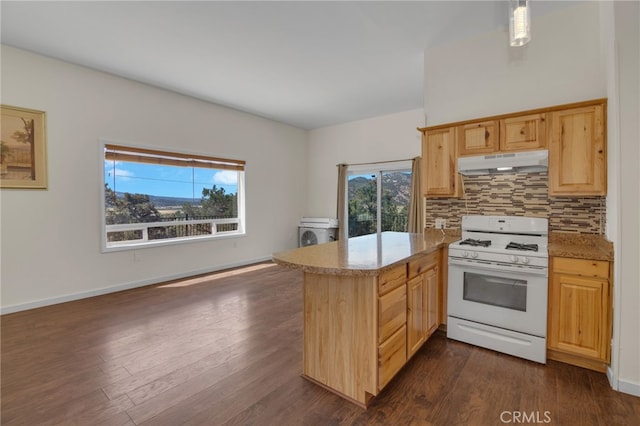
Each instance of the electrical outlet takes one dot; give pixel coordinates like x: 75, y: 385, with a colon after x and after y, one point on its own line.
x: 441, y: 223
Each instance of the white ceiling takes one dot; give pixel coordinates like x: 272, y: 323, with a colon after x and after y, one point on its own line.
x: 308, y: 64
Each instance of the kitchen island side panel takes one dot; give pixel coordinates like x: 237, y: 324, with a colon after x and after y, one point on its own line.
x: 340, y: 334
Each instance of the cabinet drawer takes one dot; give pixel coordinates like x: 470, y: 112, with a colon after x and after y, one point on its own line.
x: 586, y: 268
x: 392, y: 355
x: 392, y: 278
x: 392, y: 312
x: 423, y: 263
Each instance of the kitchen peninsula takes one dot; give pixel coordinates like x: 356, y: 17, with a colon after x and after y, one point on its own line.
x: 370, y: 302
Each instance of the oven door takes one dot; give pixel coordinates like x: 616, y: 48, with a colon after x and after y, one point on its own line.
x: 513, y: 298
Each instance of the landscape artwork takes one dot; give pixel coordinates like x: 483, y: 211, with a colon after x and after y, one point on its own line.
x: 23, y: 162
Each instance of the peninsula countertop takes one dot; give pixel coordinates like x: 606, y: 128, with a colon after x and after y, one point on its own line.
x: 364, y: 255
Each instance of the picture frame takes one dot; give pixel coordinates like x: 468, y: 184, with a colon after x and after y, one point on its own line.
x: 23, y: 150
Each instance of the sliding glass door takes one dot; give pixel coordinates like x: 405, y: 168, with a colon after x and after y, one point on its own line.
x: 378, y: 198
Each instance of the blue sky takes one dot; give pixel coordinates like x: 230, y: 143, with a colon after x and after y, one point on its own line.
x: 168, y: 181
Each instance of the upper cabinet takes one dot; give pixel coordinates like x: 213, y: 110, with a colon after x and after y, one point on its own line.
x: 440, y: 176
x: 575, y: 135
x: 523, y: 132
x: 577, y: 152
x: 478, y: 138
x: 517, y: 133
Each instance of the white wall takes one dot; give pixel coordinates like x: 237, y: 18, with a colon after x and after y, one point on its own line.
x: 624, y: 93
x: 51, y: 238
x: 568, y: 60
x: 386, y: 138
x: 484, y: 76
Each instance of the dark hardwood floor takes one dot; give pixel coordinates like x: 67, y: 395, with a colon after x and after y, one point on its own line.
x: 226, y: 349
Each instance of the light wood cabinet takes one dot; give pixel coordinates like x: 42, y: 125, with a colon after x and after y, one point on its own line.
x: 517, y: 133
x: 392, y: 323
x: 478, y: 138
x: 355, y: 330
x: 393, y: 312
x: 579, y: 322
x: 439, y: 153
x: 392, y: 278
x: 423, y: 300
x: 415, y: 314
x: 575, y: 135
x: 523, y: 132
x: 392, y: 355
x: 355, y: 324
x: 577, y: 154
x: 340, y: 329
x: 431, y: 302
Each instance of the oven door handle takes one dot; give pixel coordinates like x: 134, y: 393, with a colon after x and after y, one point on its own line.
x: 499, y: 267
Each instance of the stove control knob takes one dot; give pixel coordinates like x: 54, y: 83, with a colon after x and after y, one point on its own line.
x: 465, y: 254
x: 475, y: 255
x: 525, y: 260
x: 514, y: 259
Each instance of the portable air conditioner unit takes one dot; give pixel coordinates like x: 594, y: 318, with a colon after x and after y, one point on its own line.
x: 317, y: 230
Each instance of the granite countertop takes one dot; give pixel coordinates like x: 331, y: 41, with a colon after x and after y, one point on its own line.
x: 364, y: 255
x: 580, y: 246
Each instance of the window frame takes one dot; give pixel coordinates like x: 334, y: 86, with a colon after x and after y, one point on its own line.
x: 133, y: 245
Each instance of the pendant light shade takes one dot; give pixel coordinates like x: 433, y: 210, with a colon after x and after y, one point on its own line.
x: 519, y: 24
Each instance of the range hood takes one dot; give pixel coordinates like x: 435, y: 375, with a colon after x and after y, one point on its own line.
x: 511, y: 162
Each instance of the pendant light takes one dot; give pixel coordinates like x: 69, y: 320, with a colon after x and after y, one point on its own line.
x: 519, y: 25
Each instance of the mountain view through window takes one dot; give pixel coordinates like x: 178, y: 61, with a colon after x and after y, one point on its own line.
x: 151, y: 196
x: 386, y: 193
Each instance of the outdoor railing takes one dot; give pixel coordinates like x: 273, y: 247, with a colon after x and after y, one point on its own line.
x: 126, y: 233
x: 367, y: 224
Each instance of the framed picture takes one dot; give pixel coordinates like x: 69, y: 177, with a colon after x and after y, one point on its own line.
x: 23, y: 153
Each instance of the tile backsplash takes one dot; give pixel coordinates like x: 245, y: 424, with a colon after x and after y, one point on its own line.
x: 522, y: 194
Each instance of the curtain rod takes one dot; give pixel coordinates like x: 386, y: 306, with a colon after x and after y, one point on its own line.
x: 375, y: 162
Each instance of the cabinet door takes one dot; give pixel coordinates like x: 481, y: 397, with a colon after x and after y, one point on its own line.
x: 579, y: 315
x: 415, y: 314
x: 523, y: 133
x: 478, y: 138
x: 440, y: 175
x: 577, y: 157
x: 431, y: 303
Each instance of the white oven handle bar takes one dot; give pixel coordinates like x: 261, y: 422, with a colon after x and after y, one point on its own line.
x: 499, y: 266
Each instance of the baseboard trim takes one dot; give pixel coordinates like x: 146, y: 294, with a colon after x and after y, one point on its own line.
x: 629, y: 387
x: 613, y: 382
x: 120, y: 287
x: 621, y: 385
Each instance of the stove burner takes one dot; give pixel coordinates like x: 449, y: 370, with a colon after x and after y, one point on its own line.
x: 475, y: 243
x: 519, y: 246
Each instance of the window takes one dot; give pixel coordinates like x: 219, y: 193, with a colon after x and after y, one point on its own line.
x: 155, y: 197
x: 378, y: 197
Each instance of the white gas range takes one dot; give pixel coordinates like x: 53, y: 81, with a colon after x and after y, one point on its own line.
x: 497, y: 288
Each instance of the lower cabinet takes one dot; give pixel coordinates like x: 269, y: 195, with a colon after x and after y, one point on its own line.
x: 416, y: 309
x: 392, y: 311
x: 579, y: 323
x: 392, y: 323
x: 431, y: 301
x: 392, y: 355
x: 422, y: 300
x: 360, y: 330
